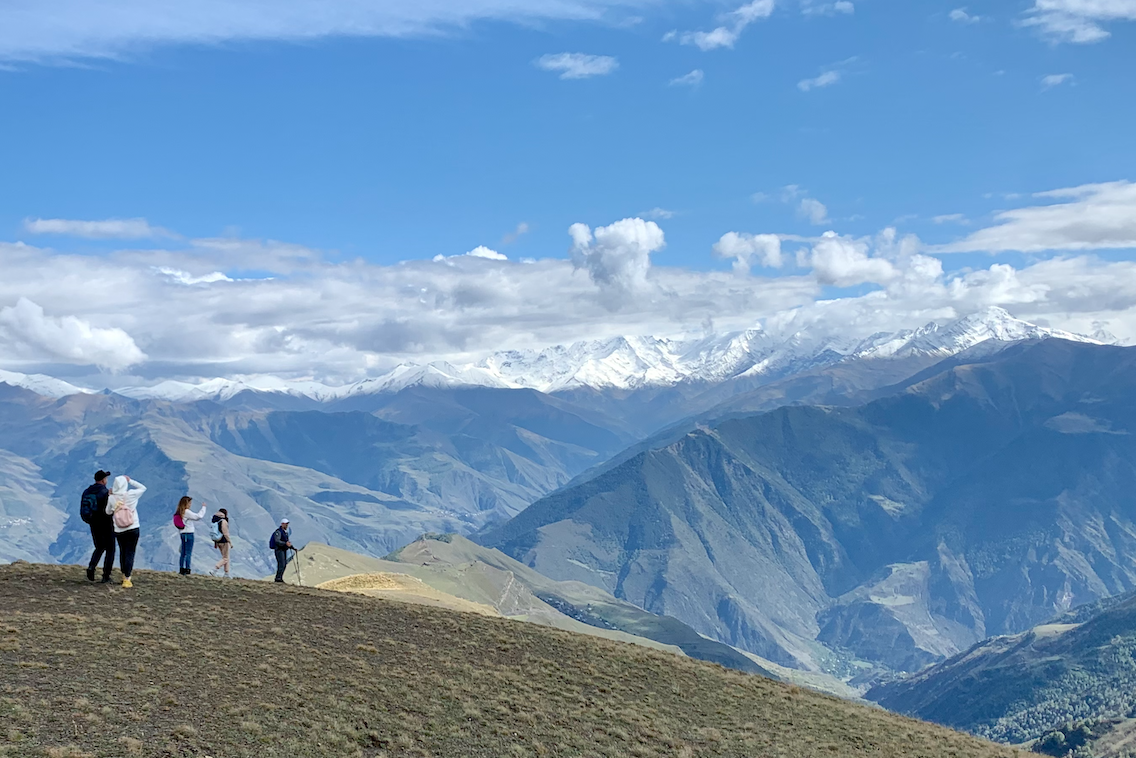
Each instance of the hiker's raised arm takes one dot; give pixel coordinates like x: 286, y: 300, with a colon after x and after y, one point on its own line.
x: 137, y: 486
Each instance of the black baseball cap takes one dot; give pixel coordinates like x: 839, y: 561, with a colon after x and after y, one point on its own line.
x: 100, y: 475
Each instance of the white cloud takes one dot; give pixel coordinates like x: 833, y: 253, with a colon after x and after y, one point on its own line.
x: 693, y: 79
x: 845, y: 262
x: 658, y: 214
x: 726, y: 35
x: 617, y: 257
x: 308, y: 316
x: 826, y: 79
x: 30, y: 332
x: 951, y: 218
x: 961, y: 16
x: 1079, y: 21
x: 1097, y: 217
x: 812, y: 8
x: 814, y: 210
x: 749, y: 250
x: 521, y: 230
x: 1055, y: 80
x: 113, y: 228
x: 578, y: 65
x: 50, y: 30
x: 184, y: 277
x: 481, y: 251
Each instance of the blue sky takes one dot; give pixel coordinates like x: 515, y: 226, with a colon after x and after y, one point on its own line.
x: 421, y: 138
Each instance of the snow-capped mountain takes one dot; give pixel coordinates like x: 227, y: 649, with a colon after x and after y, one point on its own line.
x: 46, y: 386
x: 620, y: 363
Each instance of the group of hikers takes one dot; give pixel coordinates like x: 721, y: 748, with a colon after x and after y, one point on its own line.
x: 112, y: 514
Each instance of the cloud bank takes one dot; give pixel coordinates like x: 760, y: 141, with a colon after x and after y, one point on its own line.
x: 188, y: 313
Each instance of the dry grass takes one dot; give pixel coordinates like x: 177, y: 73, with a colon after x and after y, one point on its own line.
x: 187, y: 666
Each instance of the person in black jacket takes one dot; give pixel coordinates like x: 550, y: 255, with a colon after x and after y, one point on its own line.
x: 281, y: 543
x: 102, y: 528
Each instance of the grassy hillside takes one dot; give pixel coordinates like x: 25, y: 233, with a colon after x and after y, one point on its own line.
x: 188, y: 666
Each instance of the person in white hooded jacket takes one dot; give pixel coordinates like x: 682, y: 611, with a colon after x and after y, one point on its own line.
x: 122, y: 507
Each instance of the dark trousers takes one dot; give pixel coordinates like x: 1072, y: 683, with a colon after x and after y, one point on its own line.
x: 127, y: 544
x: 186, y: 551
x: 103, y: 537
x: 281, y: 563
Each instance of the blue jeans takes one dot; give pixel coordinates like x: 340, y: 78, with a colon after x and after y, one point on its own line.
x: 186, y: 551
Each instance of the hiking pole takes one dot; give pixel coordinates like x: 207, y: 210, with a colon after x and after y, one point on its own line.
x: 296, y: 558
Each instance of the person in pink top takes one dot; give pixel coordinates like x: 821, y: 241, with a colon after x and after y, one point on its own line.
x: 183, y: 522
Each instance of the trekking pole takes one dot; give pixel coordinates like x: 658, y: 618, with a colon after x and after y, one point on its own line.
x: 296, y: 558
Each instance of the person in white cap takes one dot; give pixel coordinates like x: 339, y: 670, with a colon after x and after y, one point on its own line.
x: 281, y: 543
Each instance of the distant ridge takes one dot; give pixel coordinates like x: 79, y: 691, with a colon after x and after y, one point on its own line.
x: 628, y: 363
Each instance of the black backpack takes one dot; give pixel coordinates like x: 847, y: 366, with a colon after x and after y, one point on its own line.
x: 89, y: 506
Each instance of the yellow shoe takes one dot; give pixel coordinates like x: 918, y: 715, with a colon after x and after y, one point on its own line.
x: 127, y: 584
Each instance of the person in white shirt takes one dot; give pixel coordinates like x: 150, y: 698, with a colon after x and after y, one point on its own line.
x: 122, y: 507
x: 185, y: 517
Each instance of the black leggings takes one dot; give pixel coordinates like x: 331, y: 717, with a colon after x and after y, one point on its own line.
x: 127, y: 544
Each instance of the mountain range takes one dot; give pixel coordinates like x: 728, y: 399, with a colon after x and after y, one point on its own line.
x: 847, y: 507
x: 978, y: 497
x: 633, y: 363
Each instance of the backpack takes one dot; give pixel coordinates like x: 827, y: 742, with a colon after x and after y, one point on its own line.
x: 215, y: 531
x: 123, y: 514
x: 88, y: 507
x: 179, y: 522
x: 272, y: 541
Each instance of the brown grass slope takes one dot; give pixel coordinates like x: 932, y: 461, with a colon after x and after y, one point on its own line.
x: 188, y: 666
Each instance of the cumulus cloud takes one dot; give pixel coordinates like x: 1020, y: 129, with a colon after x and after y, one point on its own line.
x: 31, y: 333
x: 1078, y: 21
x: 1095, y: 217
x: 617, y: 257
x: 1055, y: 80
x: 307, y: 315
x: 844, y: 262
x: 186, y: 278
x: 749, y: 250
x: 113, y: 228
x: 50, y: 30
x: 693, y: 79
x: 578, y: 65
x: 726, y: 35
x: 481, y: 251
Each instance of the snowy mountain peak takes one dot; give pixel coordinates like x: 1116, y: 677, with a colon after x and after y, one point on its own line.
x: 46, y: 386
x: 626, y: 362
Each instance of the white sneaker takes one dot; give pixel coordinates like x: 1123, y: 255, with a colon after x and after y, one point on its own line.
x: 213, y: 572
